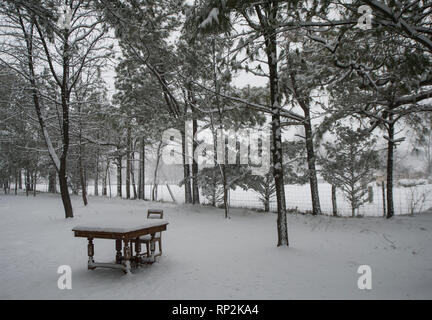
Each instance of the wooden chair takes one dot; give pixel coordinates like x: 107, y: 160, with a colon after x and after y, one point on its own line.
x: 153, y: 214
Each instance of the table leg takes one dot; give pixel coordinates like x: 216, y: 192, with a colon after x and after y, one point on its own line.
x: 90, y: 252
x: 127, y: 256
x: 152, y: 247
x: 137, y: 247
x: 118, y: 250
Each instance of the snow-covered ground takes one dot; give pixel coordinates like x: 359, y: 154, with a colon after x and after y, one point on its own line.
x: 208, y: 257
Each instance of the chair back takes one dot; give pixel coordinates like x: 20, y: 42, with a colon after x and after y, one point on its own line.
x: 155, y: 214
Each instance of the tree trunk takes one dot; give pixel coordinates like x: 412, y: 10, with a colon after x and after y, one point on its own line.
x: 267, y: 202
x: 195, y: 199
x: 143, y: 168
x: 96, y: 179
x: 225, y: 190
x: 141, y: 185
x: 271, y: 52
x: 109, y: 180
x: 64, y: 190
x: 313, y: 181
x: 16, y: 181
x: 334, y: 203
x: 390, y: 147
x: 186, y: 169
x: 119, y: 176
x: 128, y: 162
x: 104, y: 181
x: 171, y: 194
x: 132, y: 174
x: 304, y: 102
x: 155, y: 182
x: 215, y: 142
x: 34, y: 183
x: 27, y: 182
x: 105, y: 178
x: 215, y: 185
x: 195, y: 189
x: 80, y: 161
x: 52, y: 180
x: 223, y: 157
x: 82, y: 182
x: 352, y: 195
x: 65, y: 95
x: 20, y: 179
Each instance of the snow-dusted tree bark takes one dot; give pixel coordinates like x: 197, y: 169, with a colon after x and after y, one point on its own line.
x: 96, y: 171
x: 27, y: 182
x: 34, y: 183
x: 105, y: 178
x: 186, y: 169
x: 334, y: 202
x: 313, y: 181
x: 390, y: 154
x: 132, y: 172
x: 268, y: 20
x: 52, y: 181
x: 220, y: 159
x: 81, y: 167
x: 20, y: 179
x: 128, y: 161
x: 119, y: 175
x: 155, y: 175
x: 195, y: 188
x: 82, y: 181
x: 16, y: 182
x: 141, y: 185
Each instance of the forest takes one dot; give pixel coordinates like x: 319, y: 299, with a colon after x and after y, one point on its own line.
x: 90, y: 88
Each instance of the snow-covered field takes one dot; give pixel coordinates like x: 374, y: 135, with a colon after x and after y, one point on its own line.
x: 208, y: 257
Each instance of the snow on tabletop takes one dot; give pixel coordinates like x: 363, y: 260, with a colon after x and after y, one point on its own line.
x: 120, y: 227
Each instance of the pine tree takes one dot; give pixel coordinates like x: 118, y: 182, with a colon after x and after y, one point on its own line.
x: 348, y: 163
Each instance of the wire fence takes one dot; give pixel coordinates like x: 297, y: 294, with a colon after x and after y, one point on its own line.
x: 298, y: 198
x: 407, y: 200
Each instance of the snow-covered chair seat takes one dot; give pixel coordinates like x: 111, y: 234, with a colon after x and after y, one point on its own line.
x: 147, y: 237
x: 153, y: 214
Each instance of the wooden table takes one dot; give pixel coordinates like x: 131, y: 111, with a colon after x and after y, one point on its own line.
x: 127, y: 235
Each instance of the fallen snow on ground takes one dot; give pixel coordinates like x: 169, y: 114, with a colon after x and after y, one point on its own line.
x: 208, y: 257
